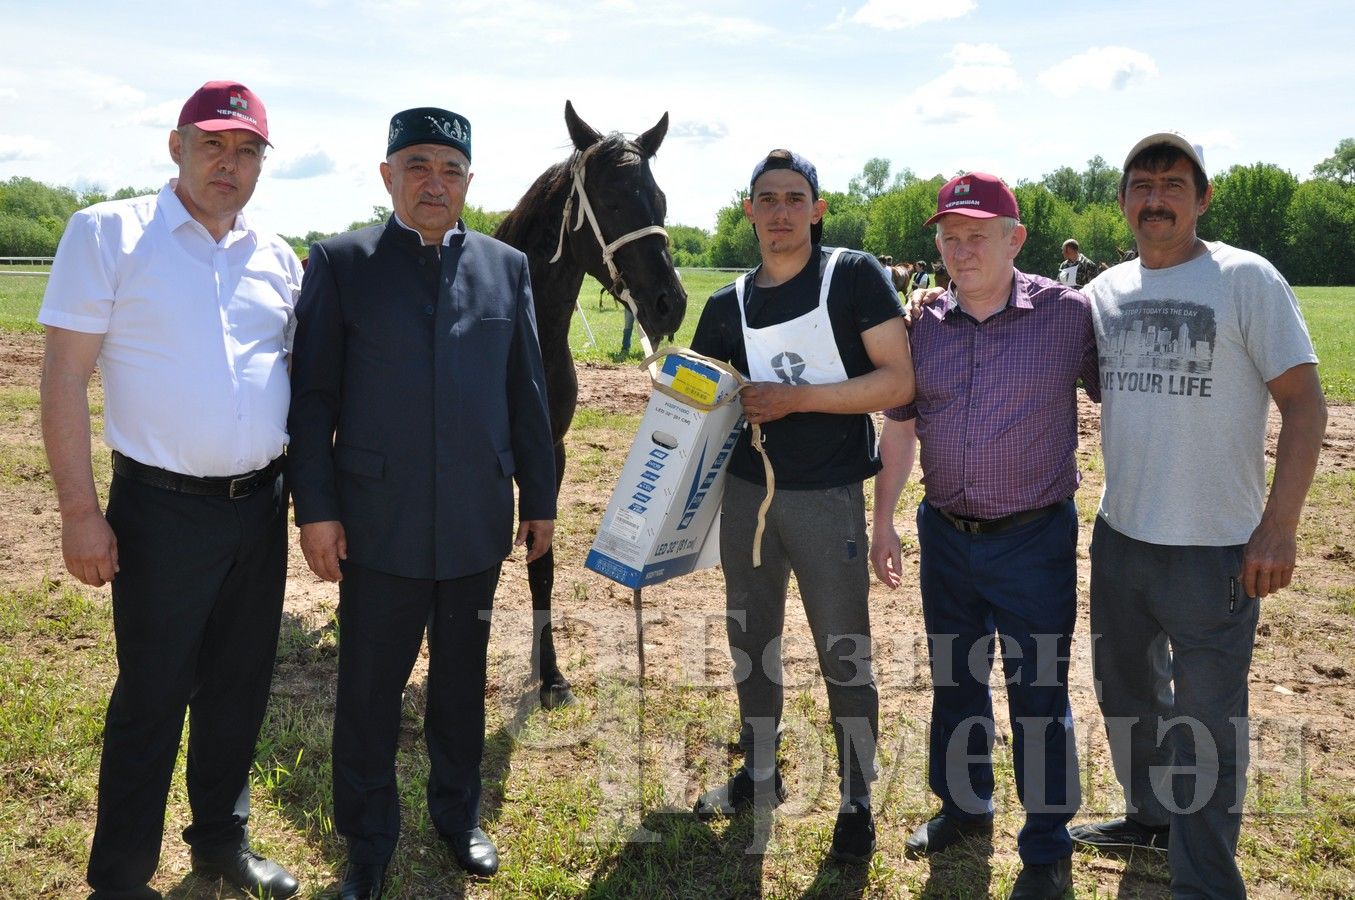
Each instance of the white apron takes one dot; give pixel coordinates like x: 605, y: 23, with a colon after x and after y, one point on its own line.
x: 800, y: 351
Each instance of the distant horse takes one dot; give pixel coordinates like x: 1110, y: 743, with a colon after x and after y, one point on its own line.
x: 901, y: 275
x: 606, y: 184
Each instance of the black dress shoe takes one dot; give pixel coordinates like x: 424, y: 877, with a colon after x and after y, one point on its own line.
x: 944, y: 831
x: 1120, y: 834
x: 474, y: 852
x: 247, y: 872
x: 1044, y: 881
x: 363, y: 881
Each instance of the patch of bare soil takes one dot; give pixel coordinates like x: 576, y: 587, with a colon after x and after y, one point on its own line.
x: 1302, y: 678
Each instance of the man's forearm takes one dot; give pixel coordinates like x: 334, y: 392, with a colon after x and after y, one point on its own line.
x: 66, y: 434
x: 898, y: 447
x: 1300, y: 441
x: 883, y: 388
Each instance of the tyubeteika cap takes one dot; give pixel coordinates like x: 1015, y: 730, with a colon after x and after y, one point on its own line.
x: 428, y: 125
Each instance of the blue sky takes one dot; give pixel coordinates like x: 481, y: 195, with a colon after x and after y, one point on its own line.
x: 89, y: 91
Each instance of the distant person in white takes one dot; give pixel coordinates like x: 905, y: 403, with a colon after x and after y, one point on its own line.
x: 185, y: 308
x: 1195, y: 338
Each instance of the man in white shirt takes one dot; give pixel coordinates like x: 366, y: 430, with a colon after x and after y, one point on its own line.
x: 185, y: 309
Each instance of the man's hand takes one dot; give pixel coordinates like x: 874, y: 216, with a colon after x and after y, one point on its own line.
x: 918, y: 299
x: 535, y: 535
x: 324, y: 544
x: 1268, y: 560
x: 89, y: 548
x: 886, y: 556
x: 767, y: 401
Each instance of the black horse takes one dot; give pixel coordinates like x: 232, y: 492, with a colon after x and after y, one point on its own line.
x: 598, y: 212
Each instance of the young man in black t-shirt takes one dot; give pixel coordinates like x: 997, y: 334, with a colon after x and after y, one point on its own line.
x: 819, y: 332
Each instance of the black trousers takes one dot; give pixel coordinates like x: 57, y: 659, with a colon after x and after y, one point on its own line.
x: 197, y: 602
x: 382, y: 620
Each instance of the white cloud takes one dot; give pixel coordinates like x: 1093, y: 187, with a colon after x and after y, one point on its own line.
x: 1100, y: 68
x: 964, y: 91
x: 979, y: 55
x: 20, y: 146
x: 893, y: 15
x: 8, y: 95
x: 730, y: 29
x: 161, y: 115
x: 306, y: 165
x: 698, y: 132
x: 105, y: 91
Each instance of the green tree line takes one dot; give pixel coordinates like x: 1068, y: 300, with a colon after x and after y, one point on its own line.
x: 1306, y: 228
x: 33, y: 215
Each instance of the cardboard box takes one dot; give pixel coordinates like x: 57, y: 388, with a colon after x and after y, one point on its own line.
x: 665, y: 509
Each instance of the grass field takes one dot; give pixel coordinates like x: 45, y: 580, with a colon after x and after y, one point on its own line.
x: 20, y: 297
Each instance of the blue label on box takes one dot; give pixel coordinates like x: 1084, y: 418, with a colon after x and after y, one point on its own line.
x: 634, y: 578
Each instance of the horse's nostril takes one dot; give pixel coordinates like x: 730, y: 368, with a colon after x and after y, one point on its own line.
x: 661, y: 305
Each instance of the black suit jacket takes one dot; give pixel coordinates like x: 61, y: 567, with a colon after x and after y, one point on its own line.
x: 417, y: 399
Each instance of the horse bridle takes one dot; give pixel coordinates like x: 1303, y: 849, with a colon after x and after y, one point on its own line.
x: 576, y: 170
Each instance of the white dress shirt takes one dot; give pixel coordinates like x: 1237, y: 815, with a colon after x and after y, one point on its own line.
x: 195, y: 331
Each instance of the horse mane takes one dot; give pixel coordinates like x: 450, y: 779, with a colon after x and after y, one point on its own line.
x: 533, y: 225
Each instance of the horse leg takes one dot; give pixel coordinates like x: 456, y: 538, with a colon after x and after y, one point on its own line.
x: 554, y: 691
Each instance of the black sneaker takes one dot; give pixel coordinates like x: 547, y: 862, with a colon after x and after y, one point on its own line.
x: 1120, y: 835
x: 740, y: 792
x: 853, y: 835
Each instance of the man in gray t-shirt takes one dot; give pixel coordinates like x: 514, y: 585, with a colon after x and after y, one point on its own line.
x: 1195, y: 339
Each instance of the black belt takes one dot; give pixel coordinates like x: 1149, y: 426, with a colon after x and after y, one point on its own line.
x: 1002, y: 523
x: 234, y: 487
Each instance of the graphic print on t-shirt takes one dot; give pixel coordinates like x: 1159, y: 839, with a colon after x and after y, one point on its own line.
x: 788, y: 366
x: 1159, y: 347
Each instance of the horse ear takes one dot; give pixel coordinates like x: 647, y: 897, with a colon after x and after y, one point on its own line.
x: 651, y: 139
x: 580, y: 132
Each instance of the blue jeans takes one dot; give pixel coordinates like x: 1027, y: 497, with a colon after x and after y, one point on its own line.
x: 1020, y: 584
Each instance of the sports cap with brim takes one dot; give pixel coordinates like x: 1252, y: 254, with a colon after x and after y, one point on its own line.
x: 786, y: 159
x: 428, y: 125
x: 226, y: 106
x: 977, y: 195
x: 1171, y: 139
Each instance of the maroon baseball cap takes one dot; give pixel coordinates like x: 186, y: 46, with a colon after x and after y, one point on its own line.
x: 225, y: 106
x: 977, y: 195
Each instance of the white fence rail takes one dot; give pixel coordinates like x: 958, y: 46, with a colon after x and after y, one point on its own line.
x: 25, y: 265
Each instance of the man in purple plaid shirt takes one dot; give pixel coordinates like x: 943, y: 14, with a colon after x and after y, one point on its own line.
x: 997, y: 359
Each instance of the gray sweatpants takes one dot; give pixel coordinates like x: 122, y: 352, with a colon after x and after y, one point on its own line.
x: 820, y: 535
x: 1172, y: 636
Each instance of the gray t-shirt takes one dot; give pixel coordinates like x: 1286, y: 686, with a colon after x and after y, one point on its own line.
x: 1185, y: 356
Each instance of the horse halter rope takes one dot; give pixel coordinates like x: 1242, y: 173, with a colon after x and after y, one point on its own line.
x: 576, y: 170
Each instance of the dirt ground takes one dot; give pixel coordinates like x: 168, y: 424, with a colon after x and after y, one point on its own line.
x: 1302, y: 678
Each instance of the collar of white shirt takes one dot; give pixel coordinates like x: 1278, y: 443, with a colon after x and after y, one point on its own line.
x: 446, y: 238
x: 177, y: 215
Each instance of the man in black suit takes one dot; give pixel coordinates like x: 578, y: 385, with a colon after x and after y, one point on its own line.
x: 417, y: 400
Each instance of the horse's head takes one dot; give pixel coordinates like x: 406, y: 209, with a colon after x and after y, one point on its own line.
x: 618, y: 186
